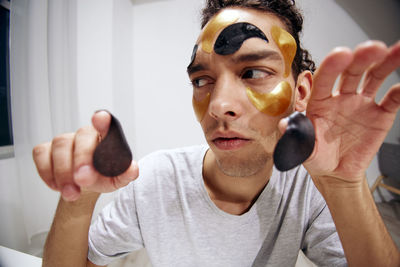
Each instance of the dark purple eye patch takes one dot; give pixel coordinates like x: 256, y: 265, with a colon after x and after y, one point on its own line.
x: 231, y: 39
x: 112, y: 156
x: 297, y: 143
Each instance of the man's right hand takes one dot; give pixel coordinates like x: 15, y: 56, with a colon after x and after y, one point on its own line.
x: 66, y: 163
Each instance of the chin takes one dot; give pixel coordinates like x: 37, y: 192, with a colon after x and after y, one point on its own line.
x: 243, y: 166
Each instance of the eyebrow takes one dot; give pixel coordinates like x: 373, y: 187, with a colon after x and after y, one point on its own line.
x: 251, y: 56
x: 195, y: 68
x: 257, y: 55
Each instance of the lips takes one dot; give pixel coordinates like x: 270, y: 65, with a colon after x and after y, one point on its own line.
x: 229, y: 141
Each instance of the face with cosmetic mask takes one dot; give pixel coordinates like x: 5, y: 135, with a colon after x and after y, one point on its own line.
x: 243, y: 85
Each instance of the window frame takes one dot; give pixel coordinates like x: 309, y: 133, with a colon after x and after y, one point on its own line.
x: 7, y: 151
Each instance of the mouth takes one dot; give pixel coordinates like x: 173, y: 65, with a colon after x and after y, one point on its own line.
x: 230, y: 142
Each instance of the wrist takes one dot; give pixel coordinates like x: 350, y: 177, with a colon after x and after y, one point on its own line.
x: 334, y: 187
x: 83, y: 206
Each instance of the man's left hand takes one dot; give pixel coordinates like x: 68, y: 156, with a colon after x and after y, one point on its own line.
x: 349, y: 125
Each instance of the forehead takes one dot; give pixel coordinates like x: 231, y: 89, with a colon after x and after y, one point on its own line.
x: 262, y: 19
x: 220, y: 26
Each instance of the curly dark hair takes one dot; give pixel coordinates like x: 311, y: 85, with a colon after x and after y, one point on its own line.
x: 283, y: 9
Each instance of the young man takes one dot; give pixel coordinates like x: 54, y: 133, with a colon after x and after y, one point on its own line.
x: 226, y: 205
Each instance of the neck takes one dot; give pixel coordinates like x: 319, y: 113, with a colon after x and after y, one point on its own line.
x: 234, y: 195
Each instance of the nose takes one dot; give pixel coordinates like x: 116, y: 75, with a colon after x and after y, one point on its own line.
x: 227, y: 100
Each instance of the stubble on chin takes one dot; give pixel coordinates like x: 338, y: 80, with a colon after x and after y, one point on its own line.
x: 245, y: 166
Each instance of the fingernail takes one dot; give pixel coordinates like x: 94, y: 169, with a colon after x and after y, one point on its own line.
x: 69, y: 192
x: 100, y: 110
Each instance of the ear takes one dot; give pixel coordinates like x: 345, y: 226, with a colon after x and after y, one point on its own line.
x: 303, y: 90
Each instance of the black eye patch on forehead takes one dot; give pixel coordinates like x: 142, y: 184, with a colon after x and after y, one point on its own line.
x: 232, y: 37
x: 193, y: 55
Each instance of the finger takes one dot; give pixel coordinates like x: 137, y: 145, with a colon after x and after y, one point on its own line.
x: 86, y: 176
x: 391, y: 101
x: 100, y: 183
x: 282, y: 125
x: 107, y: 184
x: 61, y: 152
x: 377, y: 74
x: 86, y: 140
x: 101, y: 121
x: 131, y: 174
x: 364, y: 55
x: 331, y: 67
x: 42, y: 158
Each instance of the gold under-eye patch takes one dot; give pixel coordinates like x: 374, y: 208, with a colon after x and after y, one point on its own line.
x: 200, y: 107
x: 274, y: 103
x: 287, y: 45
x: 223, y: 19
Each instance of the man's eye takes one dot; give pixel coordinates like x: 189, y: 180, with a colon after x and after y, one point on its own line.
x: 199, y: 82
x: 254, y: 74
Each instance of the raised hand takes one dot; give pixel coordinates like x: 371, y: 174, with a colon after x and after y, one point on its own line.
x: 66, y: 163
x: 350, y: 126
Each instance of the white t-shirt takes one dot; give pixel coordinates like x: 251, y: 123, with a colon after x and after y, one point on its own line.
x: 168, y: 211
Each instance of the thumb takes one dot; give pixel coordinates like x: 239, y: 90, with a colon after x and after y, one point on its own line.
x: 297, y: 142
x: 282, y: 125
x: 128, y: 176
x: 98, y: 183
x: 101, y: 122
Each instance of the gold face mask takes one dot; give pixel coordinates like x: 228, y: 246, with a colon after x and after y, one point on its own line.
x: 223, y: 19
x: 200, y: 107
x: 287, y: 45
x: 274, y: 103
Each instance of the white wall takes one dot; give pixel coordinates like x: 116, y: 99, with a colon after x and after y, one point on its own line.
x: 164, y: 34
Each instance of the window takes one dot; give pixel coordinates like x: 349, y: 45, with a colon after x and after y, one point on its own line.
x: 6, y: 135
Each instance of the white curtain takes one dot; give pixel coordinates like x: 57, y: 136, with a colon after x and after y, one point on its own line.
x: 68, y: 59
x: 44, y: 94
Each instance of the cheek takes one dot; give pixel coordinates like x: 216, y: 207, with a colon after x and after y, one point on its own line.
x: 274, y: 103
x: 267, y: 132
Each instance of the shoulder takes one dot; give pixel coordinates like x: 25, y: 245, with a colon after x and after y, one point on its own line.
x: 167, y: 168
x: 294, y: 181
x: 164, y: 159
x: 297, y: 186
x: 189, y: 151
